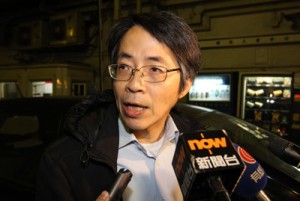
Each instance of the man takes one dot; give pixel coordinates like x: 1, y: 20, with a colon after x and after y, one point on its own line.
x: 155, y: 58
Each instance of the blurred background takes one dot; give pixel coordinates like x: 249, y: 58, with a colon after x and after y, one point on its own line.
x: 250, y: 49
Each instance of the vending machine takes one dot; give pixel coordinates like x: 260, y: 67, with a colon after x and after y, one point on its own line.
x: 267, y: 101
x: 295, y: 123
x: 216, y: 91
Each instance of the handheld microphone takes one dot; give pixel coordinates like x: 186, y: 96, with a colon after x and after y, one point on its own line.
x: 119, y: 185
x: 286, y: 151
x: 206, y: 165
x: 253, y: 179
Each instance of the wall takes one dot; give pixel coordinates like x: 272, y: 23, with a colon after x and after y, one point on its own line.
x: 241, y: 35
x: 61, y: 75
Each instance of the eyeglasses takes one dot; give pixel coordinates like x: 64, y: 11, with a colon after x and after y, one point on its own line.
x: 149, y: 73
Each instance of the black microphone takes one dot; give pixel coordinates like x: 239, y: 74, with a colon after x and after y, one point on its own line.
x: 254, y: 178
x: 286, y: 151
x: 206, y: 165
x: 119, y: 185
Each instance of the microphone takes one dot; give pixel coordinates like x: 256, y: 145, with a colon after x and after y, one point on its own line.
x: 253, y: 179
x: 206, y: 165
x: 119, y: 185
x: 286, y: 151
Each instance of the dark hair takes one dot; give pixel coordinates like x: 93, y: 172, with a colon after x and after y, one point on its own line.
x: 167, y: 28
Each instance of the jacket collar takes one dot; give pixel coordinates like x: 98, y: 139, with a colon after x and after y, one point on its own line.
x: 94, y: 122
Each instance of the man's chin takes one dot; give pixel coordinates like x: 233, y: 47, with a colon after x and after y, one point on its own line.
x: 132, y: 125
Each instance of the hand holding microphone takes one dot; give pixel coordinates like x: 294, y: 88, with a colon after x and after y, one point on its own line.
x: 118, y: 187
x: 121, y: 182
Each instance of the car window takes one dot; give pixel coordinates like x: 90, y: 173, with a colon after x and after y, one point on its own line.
x: 19, y: 125
x: 20, y: 131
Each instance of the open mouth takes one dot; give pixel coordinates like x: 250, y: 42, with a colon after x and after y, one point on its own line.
x: 135, y: 107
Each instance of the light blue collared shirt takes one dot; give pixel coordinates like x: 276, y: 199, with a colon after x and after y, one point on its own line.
x: 153, y: 177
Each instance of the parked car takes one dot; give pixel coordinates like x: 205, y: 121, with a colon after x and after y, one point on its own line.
x: 28, y: 125
x: 283, y: 178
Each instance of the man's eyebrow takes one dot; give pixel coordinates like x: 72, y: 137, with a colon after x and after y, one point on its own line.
x: 155, y: 58
x: 124, y: 55
x: 149, y: 58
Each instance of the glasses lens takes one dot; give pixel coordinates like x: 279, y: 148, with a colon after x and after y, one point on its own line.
x: 150, y: 73
x: 154, y: 73
x: 120, y: 72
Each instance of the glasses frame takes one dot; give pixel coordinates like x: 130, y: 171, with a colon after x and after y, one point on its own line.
x: 133, y: 70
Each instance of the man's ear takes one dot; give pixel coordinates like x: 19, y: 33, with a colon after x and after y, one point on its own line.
x: 186, y: 89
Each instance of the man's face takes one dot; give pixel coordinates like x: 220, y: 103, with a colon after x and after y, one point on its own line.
x: 144, y: 106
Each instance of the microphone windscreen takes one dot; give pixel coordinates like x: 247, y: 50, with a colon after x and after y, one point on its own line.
x: 254, y: 177
x: 201, y: 155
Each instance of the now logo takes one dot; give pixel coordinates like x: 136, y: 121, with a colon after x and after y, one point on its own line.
x: 207, y: 143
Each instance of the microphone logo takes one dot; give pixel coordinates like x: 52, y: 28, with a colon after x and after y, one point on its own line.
x: 253, y: 179
x: 245, y: 156
x: 207, y: 143
x: 202, y: 154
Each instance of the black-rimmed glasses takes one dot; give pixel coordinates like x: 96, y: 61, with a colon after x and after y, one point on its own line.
x: 149, y: 73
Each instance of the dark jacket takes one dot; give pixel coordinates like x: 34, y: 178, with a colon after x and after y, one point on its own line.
x: 84, y: 163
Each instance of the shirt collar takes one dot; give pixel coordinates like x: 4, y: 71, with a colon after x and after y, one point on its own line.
x: 171, y: 130
x: 125, y: 138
